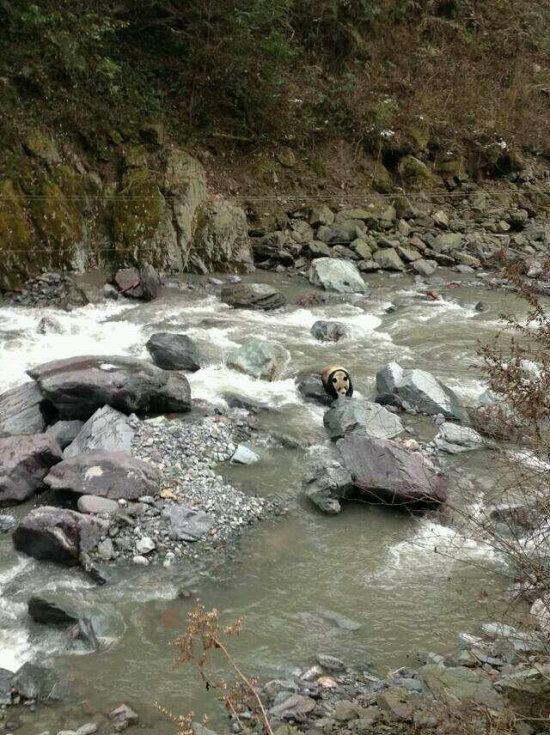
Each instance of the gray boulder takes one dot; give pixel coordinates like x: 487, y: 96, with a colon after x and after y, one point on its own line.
x: 187, y: 524
x: 174, y: 351
x: 22, y: 411
x: 336, y: 275
x: 78, y: 386
x: 258, y: 296
x: 244, y: 455
x: 107, y: 430
x: 328, y: 331
x: 112, y: 475
x: 32, y: 681
x: 145, y: 285
x: 389, y: 260
x: 24, y: 463
x: 150, y: 284
x: 220, y: 241
x: 421, y: 390
x: 460, y: 683
x: 344, y: 232
x: 56, y: 534
x: 65, y: 432
x: 353, y: 416
x: 424, y: 267
x: 311, y: 388
x: 455, y: 439
x: 326, y: 482
x: 389, y: 474
x: 260, y: 359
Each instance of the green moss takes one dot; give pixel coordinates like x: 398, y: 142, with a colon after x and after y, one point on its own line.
x: 40, y: 146
x: 137, y: 213
x: 57, y: 218
x: 16, y: 237
x: 415, y: 173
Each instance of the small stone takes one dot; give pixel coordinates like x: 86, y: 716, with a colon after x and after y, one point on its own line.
x: 122, y: 717
x: 145, y: 545
x: 345, y: 711
x: 140, y: 561
x: 330, y: 663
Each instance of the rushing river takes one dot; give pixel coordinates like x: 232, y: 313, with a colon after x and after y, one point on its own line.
x: 371, y: 586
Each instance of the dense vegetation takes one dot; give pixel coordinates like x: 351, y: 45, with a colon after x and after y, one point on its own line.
x: 385, y: 72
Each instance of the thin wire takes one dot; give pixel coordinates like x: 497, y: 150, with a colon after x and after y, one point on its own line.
x: 288, y: 197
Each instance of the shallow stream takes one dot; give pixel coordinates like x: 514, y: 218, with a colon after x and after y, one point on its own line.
x: 371, y: 586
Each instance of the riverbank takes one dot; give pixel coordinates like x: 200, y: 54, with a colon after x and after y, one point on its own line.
x: 313, y: 564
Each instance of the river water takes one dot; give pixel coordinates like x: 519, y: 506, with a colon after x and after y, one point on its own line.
x: 371, y: 586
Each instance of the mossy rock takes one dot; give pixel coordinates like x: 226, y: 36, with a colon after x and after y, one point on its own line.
x: 17, y: 259
x: 381, y: 178
x: 415, y: 173
x: 42, y: 147
x: 58, y: 219
x: 137, y: 214
x: 420, y: 135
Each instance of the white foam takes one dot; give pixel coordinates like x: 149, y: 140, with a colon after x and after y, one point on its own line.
x: 85, y: 332
x: 211, y: 383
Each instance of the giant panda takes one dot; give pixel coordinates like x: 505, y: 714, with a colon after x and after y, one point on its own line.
x: 336, y: 381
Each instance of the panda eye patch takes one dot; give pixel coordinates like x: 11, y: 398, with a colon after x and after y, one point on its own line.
x: 335, y: 380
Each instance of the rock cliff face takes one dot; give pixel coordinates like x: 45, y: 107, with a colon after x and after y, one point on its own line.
x: 143, y: 202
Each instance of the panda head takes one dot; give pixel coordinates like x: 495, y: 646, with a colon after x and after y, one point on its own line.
x: 338, y: 383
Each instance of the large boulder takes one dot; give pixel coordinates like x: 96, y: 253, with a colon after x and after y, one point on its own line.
x: 353, y: 416
x: 145, y: 285
x: 22, y: 411
x: 78, y: 386
x: 326, y: 482
x: 112, y: 475
x: 387, y: 473
x: 174, y: 351
x: 24, y: 463
x: 389, y: 260
x: 56, y: 534
x: 50, y: 611
x: 336, y: 275
x: 107, y: 429
x: 460, y: 684
x: 421, y: 390
x: 259, y: 296
x: 221, y: 240
x: 261, y: 359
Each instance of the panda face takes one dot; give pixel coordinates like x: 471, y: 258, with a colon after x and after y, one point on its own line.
x: 340, y: 383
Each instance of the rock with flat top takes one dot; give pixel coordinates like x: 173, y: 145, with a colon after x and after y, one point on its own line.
x: 112, y: 475
x: 22, y: 411
x: 24, y: 463
x: 257, y: 296
x: 79, y: 386
x: 336, y: 275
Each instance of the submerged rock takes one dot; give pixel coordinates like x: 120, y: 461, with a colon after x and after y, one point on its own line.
x: 174, y: 352
x: 56, y: 534
x: 258, y: 296
x: 22, y: 411
x: 260, y: 359
x: 389, y: 474
x: 336, y: 275
x: 24, y: 463
x: 352, y: 416
x: 421, y: 390
x: 79, y: 386
x: 329, y: 331
x: 112, y: 475
x: 107, y: 430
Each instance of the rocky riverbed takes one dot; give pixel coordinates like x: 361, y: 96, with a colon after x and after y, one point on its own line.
x: 196, y: 410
